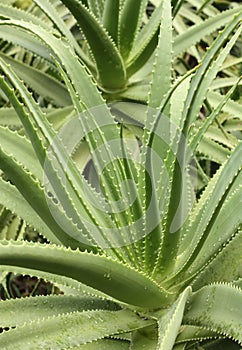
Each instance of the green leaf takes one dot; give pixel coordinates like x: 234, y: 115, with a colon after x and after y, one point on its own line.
x: 208, y: 70
x: 101, y: 44
x: 145, y: 338
x: 224, y: 267
x: 129, y: 20
x: 105, y: 344
x: 51, y: 12
x: 111, y: 18
x: 68, y: 285
x: 207, y: 210
x: 15, y: 312
x: 161, y: 75
x: 71, y: 329
x: 197, y: 32
x: 156, y: 141
x: 196, y: 138
x: 9, y: 117
x: 34, y: 194
x: 230, y: 107
x: 217, y: 307
x: 145, y: 43
x: 170, y: 323
x: 225, y: 226
x: 21, y: 38
x: 11, y: 12
x: 19, y: 146
x: 96, y: 7
x: 194, y: 333
x: 212, y: 150
x: 13, y: 200
x: 40, y: 82
x: 111, y: 277
x: 176, y: 5
x: 54, y: 161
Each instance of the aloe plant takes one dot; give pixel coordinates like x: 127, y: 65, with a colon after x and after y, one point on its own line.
x: 41, y: 75
x: 105, y: 29
x: 142, y: 262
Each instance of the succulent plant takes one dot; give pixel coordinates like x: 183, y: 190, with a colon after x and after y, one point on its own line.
x: 143, y: 262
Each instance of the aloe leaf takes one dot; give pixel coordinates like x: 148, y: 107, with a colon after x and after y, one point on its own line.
x: 111, y: 18
x: 5, y: 218
x: 223, y: 344
x: 23, y: 39
x: 76, y: 182
x: 14, y: 13
x: 207, y: 210
x: 96, y: 7
x: 105, y: 344
x: 68, y: 285
x: 129, y: 20
x: 56, y: 116
x: 217, y: 270
x: 111, y: 175
x: 90, y: 97
x: 146, y: 338
x: 212, y: 150
x: 14, y: 229
x: 11, y: 12
x: 64, y: 330
x: 225, y: 226
x: 225, y: 82
x: 161, y: 75
x: 196, y: 94
x: 217, y: 307
x: 21, y: 148
x: 14, y: 311
x: 136, y: 93
x: 208, y: 70
x: 53, y: 15
x: 9, y: 118
x: 196, y: 33
x: 220, y: 131
x: 180, y: 346
x: 176, y: 5
x: 34, y: 194
x: 40, y: 149
x: 230, y: 107
x: 170, y: 323
x: 194, y: 333
x: 195, y: 139
x: 41, y: 82
x: 159, y: 87
x: 67, y: 199
x: 105, y: 274
x: 145, y: 43
x: 13, y: 200
x: 101, y: 44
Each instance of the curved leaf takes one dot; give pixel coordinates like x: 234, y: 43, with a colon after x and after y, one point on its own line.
x: 169, y: 324
x: 15, y: 312
x: 111, y: 72
x: 71, y: 329
x: 109, y: 276
x: 217, y: 307
x: 197, y: 32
